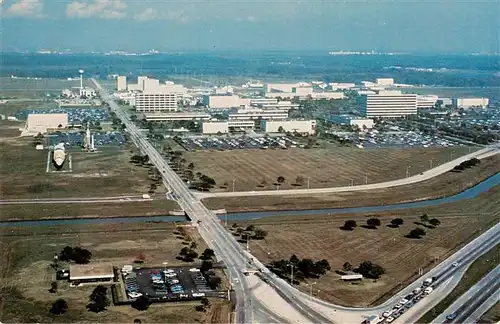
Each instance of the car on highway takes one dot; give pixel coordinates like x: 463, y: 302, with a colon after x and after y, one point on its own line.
x: 455, y: 264
x: 389, y: 319
x: 451, y: 316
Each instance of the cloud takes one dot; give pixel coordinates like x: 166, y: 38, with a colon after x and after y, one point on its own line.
x: 104, y: 9
x: 158, y: 14
x: 26, y: 8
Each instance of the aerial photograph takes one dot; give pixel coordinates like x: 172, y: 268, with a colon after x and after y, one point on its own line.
x: 249, y: 161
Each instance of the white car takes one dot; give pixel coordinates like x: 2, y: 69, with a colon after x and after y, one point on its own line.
x: 194, y: 270
x: 398, y: 305
x: 455, y: 264
x: 387, y: 313
x: 404, y: 301
x: 389, y: 319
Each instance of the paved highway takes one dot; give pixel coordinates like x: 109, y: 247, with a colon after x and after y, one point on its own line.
x: 426, y: 175
x: 487, y: 288
x: 267, y: 298
x: 89, y: 200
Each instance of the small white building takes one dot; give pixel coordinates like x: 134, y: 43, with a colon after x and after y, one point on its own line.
x: 290, y: 125
x: 470, y: 102
x: 426, y: 102
x: 362, y: 123
x: 384, y: 81
x: 215, y: 127
x: 328, y: 95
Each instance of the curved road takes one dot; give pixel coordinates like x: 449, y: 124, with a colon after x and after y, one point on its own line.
x: 278, y: 301
x: 426, y: 175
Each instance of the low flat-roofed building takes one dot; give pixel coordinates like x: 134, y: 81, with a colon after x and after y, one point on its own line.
x: 426, y: 102
x: 352, y: 121
x: 291, y: 125
x: 224, y: 101
x: 176, y: 116
x: 43, y: 123
x: 91, y: 272
x: 215, y: 127
x: 470, y: 102
x: 256, y: 113
x: 328, y: 95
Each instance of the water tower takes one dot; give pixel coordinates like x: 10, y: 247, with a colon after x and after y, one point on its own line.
x: 81, y: 80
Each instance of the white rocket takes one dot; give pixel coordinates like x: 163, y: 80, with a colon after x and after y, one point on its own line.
x: 87, y: 138
x: 92, y: 147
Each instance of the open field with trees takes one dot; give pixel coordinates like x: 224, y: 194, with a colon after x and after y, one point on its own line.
x: 28, y: 294
x: 319, y: 237
x: 444, y: 185
x: 106, y: 173
x: 260, y: 169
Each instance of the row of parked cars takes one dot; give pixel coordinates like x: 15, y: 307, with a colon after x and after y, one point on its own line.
x: 131, y: 285
x: 166, y: 279
x: 199, y: 281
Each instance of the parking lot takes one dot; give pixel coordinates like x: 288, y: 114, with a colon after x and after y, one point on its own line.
x: 77, y: 138
x: 75, y: 115
x: 223, y: 144
x: 167, y: 284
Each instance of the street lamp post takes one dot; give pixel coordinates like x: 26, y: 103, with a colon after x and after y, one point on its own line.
x: 233, y: 184
x: 430, y: 164
x: 291, y: 274
x: 408, y: 171
x: 308, y: 182
x: 164, y: 274
x: 366, y: 179
x: 311, y: 288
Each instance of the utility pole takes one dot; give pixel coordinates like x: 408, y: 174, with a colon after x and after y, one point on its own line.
x: 366, y: 179
x: 308, y: 180
x: 430, y: 164
x: 233, y: 184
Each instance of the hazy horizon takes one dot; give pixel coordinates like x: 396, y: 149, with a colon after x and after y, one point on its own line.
x: 438, y: 26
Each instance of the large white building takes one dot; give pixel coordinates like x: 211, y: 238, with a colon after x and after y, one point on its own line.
x: 176, y: 116
x: 328, y: 95
x: 156, y: 102
x: 426, y: 102
x: 224, y: 126
x: 43, y: 123
x: 290, y: 125
x: 224, y: 101
x: 121, y: 83
x: 389, y: 104
x: 255, y: 113
x: 470, y: 102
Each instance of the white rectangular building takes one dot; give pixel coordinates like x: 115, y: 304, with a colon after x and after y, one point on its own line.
x: 215, y: 127
x: 156, y: 102
x: 389, y: 104
x: 290, y: 125
x: 224, y: 101
x: 254, y: 114
x: 470, y: 102
x: 121, y: 83
x: 426, y: 102
x: 328, y: 95
x: 176, y: 116
x: 384, y: 81
x: 362, y: 123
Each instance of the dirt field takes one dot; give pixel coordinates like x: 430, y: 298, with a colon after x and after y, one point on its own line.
x: 31, y: 88
x: 444, y: 185
x: 26, y: 272
x: 492, y: 316
x: 324, y: 168
x: 45, y: 211
x: 107, y: 173
x: 319, y: 237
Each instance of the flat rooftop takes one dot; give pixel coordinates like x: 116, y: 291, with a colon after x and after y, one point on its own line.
x: 91, y: 270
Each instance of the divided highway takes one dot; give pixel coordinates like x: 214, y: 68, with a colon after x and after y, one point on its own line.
x: 265, y: 298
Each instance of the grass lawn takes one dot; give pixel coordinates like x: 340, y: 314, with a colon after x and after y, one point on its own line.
x: 446, y: 184
x: 44, y: 211
x: 26, y: 273
x: 320, y: 236
x: 259, y: 169
x: 106, y: 173
x: 480, y: 268
x: 492, y: 316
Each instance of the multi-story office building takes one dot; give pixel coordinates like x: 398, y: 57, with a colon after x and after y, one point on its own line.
x: 224, y: 101
x: 389, y: 104
x: 121, y: 83
x: 156, y: 102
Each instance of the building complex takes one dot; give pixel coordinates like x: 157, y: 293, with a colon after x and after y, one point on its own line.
x: 389, y: 104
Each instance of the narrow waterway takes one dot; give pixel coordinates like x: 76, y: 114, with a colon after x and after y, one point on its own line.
x: 467, y: 194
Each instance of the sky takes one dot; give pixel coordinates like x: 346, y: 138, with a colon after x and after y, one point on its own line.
x: 183, y: 25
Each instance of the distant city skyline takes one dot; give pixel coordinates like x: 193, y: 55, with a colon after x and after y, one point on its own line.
x: 437, y: 26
